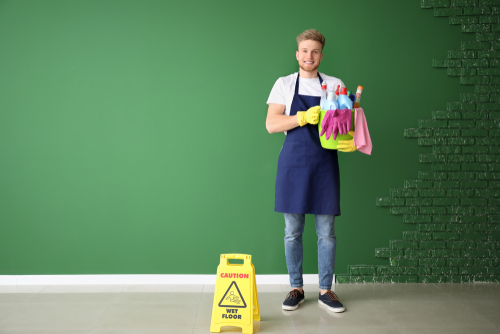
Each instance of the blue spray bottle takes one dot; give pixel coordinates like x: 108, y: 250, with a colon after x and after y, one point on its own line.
x: 330, y: 103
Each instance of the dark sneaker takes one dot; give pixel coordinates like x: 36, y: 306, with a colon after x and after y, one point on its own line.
x: 293, y: 300
x: 331, y: 300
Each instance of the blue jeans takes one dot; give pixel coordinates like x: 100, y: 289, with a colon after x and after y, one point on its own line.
x: 327, y: 243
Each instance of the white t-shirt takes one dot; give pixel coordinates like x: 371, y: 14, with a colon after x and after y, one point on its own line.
x: 284, y: 88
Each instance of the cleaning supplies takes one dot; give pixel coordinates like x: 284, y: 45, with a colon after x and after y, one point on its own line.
x: 330, y: 103
x: 362, y: 138
x: 323, y: 94
x: 325, y: 124
x: 331, y: 144
x: 352, y: 97
x: 358, y: 97
x: 344, y: 102
x: 336, y: 122
x: 341, y: 122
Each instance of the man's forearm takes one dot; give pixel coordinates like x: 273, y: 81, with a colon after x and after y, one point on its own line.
x: 281, y: 123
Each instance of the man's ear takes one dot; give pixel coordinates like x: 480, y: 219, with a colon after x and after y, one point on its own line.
x: 297, y: 55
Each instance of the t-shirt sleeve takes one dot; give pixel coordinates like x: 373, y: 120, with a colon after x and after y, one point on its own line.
x: 277, y: 93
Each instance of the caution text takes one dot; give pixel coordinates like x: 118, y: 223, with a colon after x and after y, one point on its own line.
x: 233, y: 275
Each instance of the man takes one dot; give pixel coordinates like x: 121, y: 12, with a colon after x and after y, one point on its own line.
x: 307, y: 181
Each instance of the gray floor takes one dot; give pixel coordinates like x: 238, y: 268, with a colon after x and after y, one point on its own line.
x: 371, y: 308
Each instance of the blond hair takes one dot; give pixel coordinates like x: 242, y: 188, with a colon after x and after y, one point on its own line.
x: 311, y: 34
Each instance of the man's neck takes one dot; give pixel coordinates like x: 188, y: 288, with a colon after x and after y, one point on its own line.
x: 307, y: 74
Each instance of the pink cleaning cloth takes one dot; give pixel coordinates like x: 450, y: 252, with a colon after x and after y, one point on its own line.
x: 362, y: 138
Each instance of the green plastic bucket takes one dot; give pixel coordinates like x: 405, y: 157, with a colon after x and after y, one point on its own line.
x: 331, y: 144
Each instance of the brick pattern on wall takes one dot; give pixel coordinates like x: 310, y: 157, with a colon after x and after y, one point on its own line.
x: 456, y: 205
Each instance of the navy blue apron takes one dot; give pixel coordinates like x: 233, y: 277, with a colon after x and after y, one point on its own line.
x: 308, y: 175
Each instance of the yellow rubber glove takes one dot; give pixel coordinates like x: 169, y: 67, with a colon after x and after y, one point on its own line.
x: 347, y: 145
x: 310, y: 116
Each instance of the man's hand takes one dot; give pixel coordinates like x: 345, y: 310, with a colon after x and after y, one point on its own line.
x: 347, y: 145
x: 310, y: 116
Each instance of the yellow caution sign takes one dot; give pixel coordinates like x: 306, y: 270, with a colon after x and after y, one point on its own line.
x: 235, y: 299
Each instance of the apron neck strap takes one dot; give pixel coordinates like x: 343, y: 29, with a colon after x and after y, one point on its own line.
x: 297, y: 82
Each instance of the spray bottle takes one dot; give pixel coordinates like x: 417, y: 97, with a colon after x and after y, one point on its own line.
x: 330, y: 103
x: 358, y: 96
x: 323, y: 95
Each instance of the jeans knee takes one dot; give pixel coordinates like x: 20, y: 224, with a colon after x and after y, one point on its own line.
x: 326, y: 234
x: 294, y: 226
x: 293, y: 235
x: 325, y: 226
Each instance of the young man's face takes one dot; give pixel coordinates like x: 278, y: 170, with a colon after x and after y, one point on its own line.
x: 309, y: 55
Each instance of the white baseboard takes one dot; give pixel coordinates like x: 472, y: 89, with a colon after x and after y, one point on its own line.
x: 137, y: 279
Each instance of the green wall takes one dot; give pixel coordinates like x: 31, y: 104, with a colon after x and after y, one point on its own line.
x: 133, y: 139
x: 452, y: 211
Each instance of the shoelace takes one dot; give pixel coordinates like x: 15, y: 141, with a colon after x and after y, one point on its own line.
x: 332, y: 296
x: 294, y: 294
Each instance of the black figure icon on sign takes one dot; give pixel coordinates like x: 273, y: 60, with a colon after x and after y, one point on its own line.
x: 234, y: 298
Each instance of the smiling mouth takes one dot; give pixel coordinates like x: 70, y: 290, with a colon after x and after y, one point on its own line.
x: 309, y: 62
